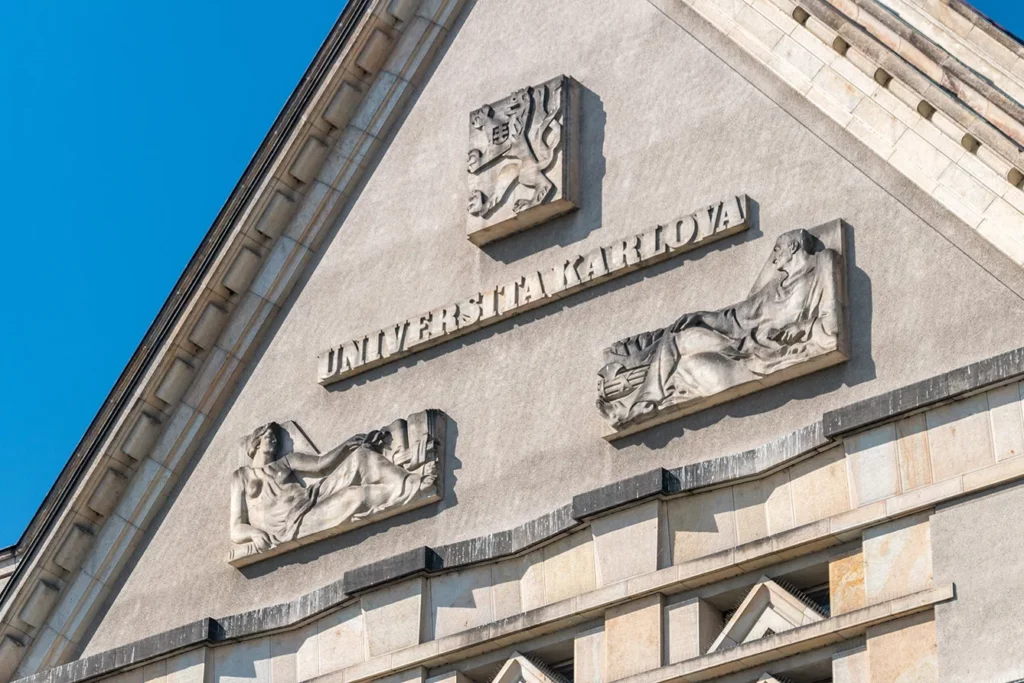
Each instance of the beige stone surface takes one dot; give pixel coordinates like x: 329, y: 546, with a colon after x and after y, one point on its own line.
x: 461, y: 600
x: 691, y: 627
x: 559, y: 570
x: 701, y: 524
x: 912, y: 448
x: 1005, y: 413
x: 778, y: 502
x: 341, y: 639
x: 874, y: 473
x: 751, y: 512
x: 626, y: 543
x: 960, y: 437
x: 588, y: 656
x: 633, y: 635
x: 819, y: 486
x: 852, y: 666
x: 846, y: 583
x: 897, y: 558
x: 244, y: 662
x: 904, y: 650
x: 294, y: 655
x: 393, y: 616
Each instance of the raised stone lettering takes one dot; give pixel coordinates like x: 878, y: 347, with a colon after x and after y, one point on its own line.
x: 572, y: 274
x: 393, y: 339
x: 352, y: 354
x: 532, y: 289
x: 444, y: 320
x: 470, y: 311
x: 624, y: 254
x: 594, y: 265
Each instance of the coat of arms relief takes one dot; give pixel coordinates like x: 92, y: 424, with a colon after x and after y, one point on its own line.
x: 523, y: 159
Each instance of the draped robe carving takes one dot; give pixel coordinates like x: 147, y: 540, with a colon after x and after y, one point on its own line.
x: 792, y: 322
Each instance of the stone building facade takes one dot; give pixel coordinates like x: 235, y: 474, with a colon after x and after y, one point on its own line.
x: 596, y: 341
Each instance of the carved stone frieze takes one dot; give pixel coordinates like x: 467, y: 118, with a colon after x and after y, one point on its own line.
x: 523, y: 159
x: 792, y: 322
x: 290, y: 494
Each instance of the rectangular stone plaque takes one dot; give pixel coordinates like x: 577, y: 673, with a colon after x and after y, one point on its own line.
x: 523, y: 160
x: 289, y: 494
x: 793, y: 322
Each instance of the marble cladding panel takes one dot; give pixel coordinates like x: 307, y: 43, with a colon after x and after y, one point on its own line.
x: 691, y: 626
x: 936, y: 445
x: 851, y: 666
x: 897, y: 558
x: 633, y: 637
x: 846, y: 583
x: 626, y: 543
x: 903, y: 650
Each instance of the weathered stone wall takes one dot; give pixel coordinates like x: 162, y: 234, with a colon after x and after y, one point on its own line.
x: 979, y: 541
x: 666, y: 126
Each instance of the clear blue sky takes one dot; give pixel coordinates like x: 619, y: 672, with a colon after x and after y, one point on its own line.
x: 123, y: 127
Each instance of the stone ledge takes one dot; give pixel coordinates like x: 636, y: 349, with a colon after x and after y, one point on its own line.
x: 402, y: 566
x: 103, y: 663
x: 713, y: 473
x: 801, y: 639
x: 981, y: 375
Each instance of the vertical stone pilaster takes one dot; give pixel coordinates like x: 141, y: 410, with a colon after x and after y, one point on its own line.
x: 633, y: 637
x: 690, y: 629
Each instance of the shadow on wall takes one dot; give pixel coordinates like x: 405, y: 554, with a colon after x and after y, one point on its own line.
x: 858, y: 369
x: 577, y: 224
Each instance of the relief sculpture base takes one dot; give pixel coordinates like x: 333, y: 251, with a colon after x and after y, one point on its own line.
x: 793, y: 322
x: 290, y: 495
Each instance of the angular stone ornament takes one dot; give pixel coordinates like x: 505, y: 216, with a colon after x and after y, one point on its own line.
x: 292, y: 495
x: 523, y: 160
x: 768, y: 609
x: 522, y: 669
x: 792, y: 322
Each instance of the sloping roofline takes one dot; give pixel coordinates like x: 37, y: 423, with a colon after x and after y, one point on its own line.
x: 170, y: 313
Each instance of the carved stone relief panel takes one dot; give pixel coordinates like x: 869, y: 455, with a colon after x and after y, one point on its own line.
x: 523, y: 159
x: 792, y: 322
x: 289, y: 494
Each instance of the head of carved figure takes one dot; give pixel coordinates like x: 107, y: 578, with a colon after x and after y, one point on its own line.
x: 794, y: 245
x: 263, y: 444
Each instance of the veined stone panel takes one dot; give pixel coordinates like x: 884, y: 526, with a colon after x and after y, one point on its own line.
x: 665, y: 126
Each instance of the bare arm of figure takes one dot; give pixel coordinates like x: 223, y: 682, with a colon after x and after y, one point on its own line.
x: 317, y: 465
x: 241, y: 530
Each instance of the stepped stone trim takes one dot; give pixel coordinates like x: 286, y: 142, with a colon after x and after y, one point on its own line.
x: 938, y: 389
x: 660, y: 482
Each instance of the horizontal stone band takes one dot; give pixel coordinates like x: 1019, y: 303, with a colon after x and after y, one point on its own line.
x: 534, y: 289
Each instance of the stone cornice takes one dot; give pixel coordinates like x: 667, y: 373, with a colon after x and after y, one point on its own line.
x: 658, y: 483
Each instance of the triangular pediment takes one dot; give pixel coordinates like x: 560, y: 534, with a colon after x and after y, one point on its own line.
x: 521, y: 669
x: 766, y: 610
x: 348, y: 236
